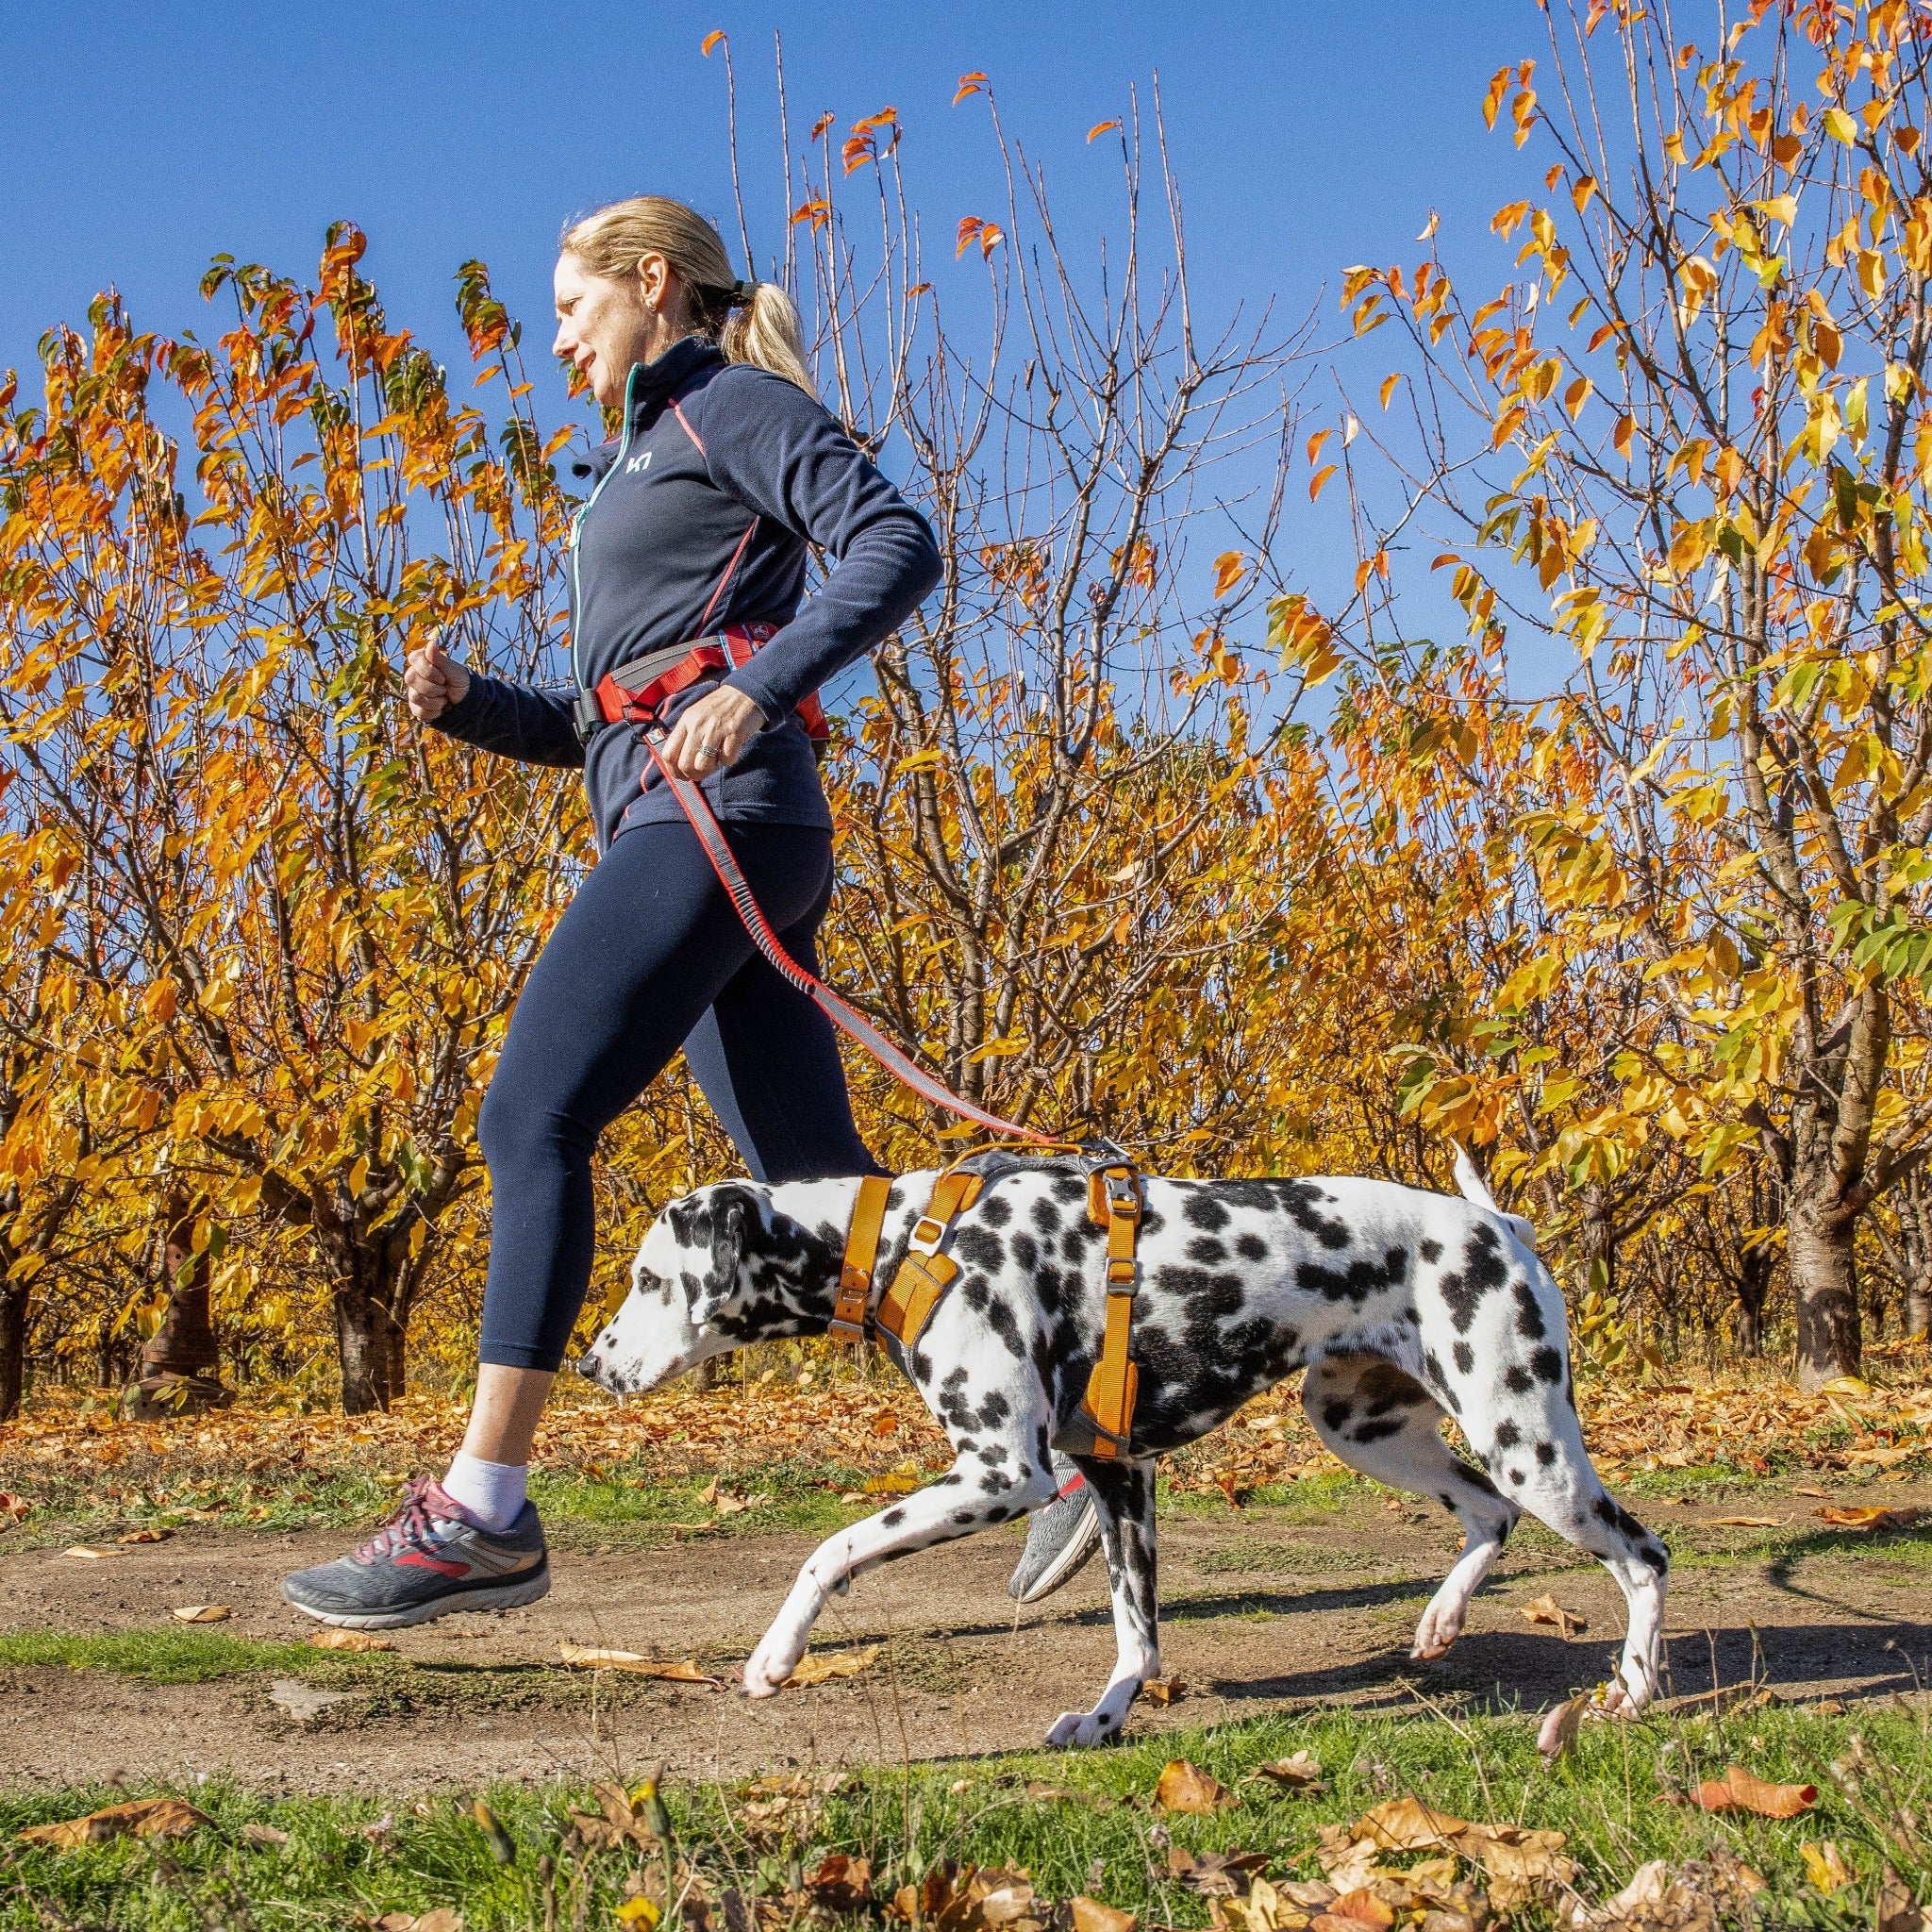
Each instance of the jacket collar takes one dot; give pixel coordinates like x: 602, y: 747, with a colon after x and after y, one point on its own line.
x: 653, y: 384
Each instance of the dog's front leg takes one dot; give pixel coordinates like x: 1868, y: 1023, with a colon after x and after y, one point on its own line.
x: 978, y: 1490
x: 1123, y: 1500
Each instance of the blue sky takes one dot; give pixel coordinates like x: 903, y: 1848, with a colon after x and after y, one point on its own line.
x: 136, y: 141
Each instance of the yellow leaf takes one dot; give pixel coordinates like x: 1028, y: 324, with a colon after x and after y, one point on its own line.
x: 639, y: 1912
x: 1840, y: 126
x: 139, y: 1817
x: 1099, y: 128
x: 1389, y: 387
x: 1317, y: 479
x: 1823, y: 1866
x: 821, y: 1667
x: 201, y: 1614
x: 710, y: 41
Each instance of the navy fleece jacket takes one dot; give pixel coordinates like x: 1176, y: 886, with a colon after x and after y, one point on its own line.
x: 710, y: 450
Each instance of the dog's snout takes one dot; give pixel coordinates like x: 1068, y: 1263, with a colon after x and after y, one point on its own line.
x: 589, y: 1363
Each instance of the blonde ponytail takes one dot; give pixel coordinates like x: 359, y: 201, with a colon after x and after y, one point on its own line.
x: 751, y: 322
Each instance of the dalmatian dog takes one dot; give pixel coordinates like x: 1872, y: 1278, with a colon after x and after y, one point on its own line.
x: 1400, y: 1307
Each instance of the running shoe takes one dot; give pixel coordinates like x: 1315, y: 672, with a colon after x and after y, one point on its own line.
x: 1060, y: 1537
x: 430, y: 1558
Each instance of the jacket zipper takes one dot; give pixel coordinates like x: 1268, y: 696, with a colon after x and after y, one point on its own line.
x: 576, y: 532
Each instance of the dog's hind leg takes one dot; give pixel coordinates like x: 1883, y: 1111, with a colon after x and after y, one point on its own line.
x: 1537, y: 1456
x: 1382, y: 1421
x: 1123, y: 1501
x: 982, y: 1488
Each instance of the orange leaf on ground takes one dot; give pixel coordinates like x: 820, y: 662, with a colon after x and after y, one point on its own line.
x: 201, y: 1614
x: 138, y: 1817
x: 145, y: 1536
x: 1163, y: 1689
x: 1546, y: 1609
x: 350, y: 1639
x: 1748, y: 1522
x: 1352, y: 1911
x: 583, y: 1657
x: 1089, y: 1915
x: 1867, y: 1516
x: 1406, y: 1824
x: 1738, y: 1791
x: 1184, y: 1787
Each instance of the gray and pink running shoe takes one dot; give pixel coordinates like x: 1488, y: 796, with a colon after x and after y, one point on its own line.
x: 430, y: 1558
x: 1060, y: 1536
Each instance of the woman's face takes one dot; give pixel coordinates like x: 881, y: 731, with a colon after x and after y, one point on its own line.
x: 602, y: 327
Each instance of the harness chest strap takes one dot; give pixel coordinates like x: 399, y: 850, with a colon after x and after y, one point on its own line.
x: 1114, y: 1201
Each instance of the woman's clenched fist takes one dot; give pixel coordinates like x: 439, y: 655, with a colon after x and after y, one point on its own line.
x: 433, y: 682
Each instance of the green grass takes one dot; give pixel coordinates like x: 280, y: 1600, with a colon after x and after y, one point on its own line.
x: 179, y: 1655
x: 1103, y: 1839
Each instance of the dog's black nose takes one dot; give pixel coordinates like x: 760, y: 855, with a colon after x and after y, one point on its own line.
x: 587, y: 1365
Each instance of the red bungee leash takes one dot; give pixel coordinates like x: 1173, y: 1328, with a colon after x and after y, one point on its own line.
x: 697, y: 809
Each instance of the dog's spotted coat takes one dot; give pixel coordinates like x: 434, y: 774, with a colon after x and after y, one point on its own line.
x: 1401, y: 1306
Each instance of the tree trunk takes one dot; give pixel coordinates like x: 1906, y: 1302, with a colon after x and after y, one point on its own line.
x: 1754, y: 1286
x: 1824, y: 1287
x: 369, y: 1347
x: 185, y: 1343
x: 12, y: 1347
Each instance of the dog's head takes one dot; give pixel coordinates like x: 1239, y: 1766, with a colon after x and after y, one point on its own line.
x: 719, y: 1269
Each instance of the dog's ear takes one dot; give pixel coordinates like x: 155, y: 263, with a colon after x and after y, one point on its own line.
x: 734, y: 1217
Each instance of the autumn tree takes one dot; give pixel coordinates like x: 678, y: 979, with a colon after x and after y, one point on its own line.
x: 1691, y: 442
x: 313, y: 918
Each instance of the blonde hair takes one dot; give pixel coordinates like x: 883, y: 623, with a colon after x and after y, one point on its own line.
x: 751, y: 322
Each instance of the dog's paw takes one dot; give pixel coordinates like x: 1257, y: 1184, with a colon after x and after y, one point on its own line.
x: 1081, y: 1730
x: 1439, y: 1627
x: 771, y: 1664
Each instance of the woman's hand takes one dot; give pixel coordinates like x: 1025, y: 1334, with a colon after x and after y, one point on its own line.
x: 433, y: 682
x: 710, y: 734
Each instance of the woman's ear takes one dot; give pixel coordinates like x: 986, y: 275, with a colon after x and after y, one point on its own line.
x: 654, y: 282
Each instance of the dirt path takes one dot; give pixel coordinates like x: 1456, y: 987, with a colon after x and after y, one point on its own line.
x: 1263, y: 1610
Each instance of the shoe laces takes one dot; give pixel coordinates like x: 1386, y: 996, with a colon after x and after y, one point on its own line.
x: 412, y: 1526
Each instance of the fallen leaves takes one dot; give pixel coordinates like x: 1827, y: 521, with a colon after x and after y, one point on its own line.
x: 966, y: 1898
x: 1163, y: 1689
x: 1825, y: 1866
x: 1546, y: 1609
x: 201, y: 1614
x: 624, y: 1820
x: 683, y: 1671
x: 137, y: 1818
x: 1748, y: 1522
x: 1089, y: 1915
x: 1867, y: 1516
x: 145, y: 1536
x: 16, y: 1509
x: 1298, y: 1774
x: 349, y: 1640
x: 88, y: 1555
x: 821, y: 1666
x: 1738, y: 1791
x: 1184, y: 1787
x: 443, y: 1919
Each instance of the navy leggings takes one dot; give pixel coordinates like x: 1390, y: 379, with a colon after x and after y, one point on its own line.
x: 650, y: 956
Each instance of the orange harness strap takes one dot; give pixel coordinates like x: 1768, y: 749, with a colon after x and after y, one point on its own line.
x: 861, y: 1257
x: 925, y: 1276
x: 1114, y: 1201
x: 1103, y: 1425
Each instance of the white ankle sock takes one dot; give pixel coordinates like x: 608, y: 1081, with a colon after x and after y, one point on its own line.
x: 492, y: 1493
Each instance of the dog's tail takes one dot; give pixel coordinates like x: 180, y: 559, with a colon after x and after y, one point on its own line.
x: 1469, y: 1183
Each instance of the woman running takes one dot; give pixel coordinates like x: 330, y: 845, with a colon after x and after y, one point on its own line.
x: 696, y: 529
